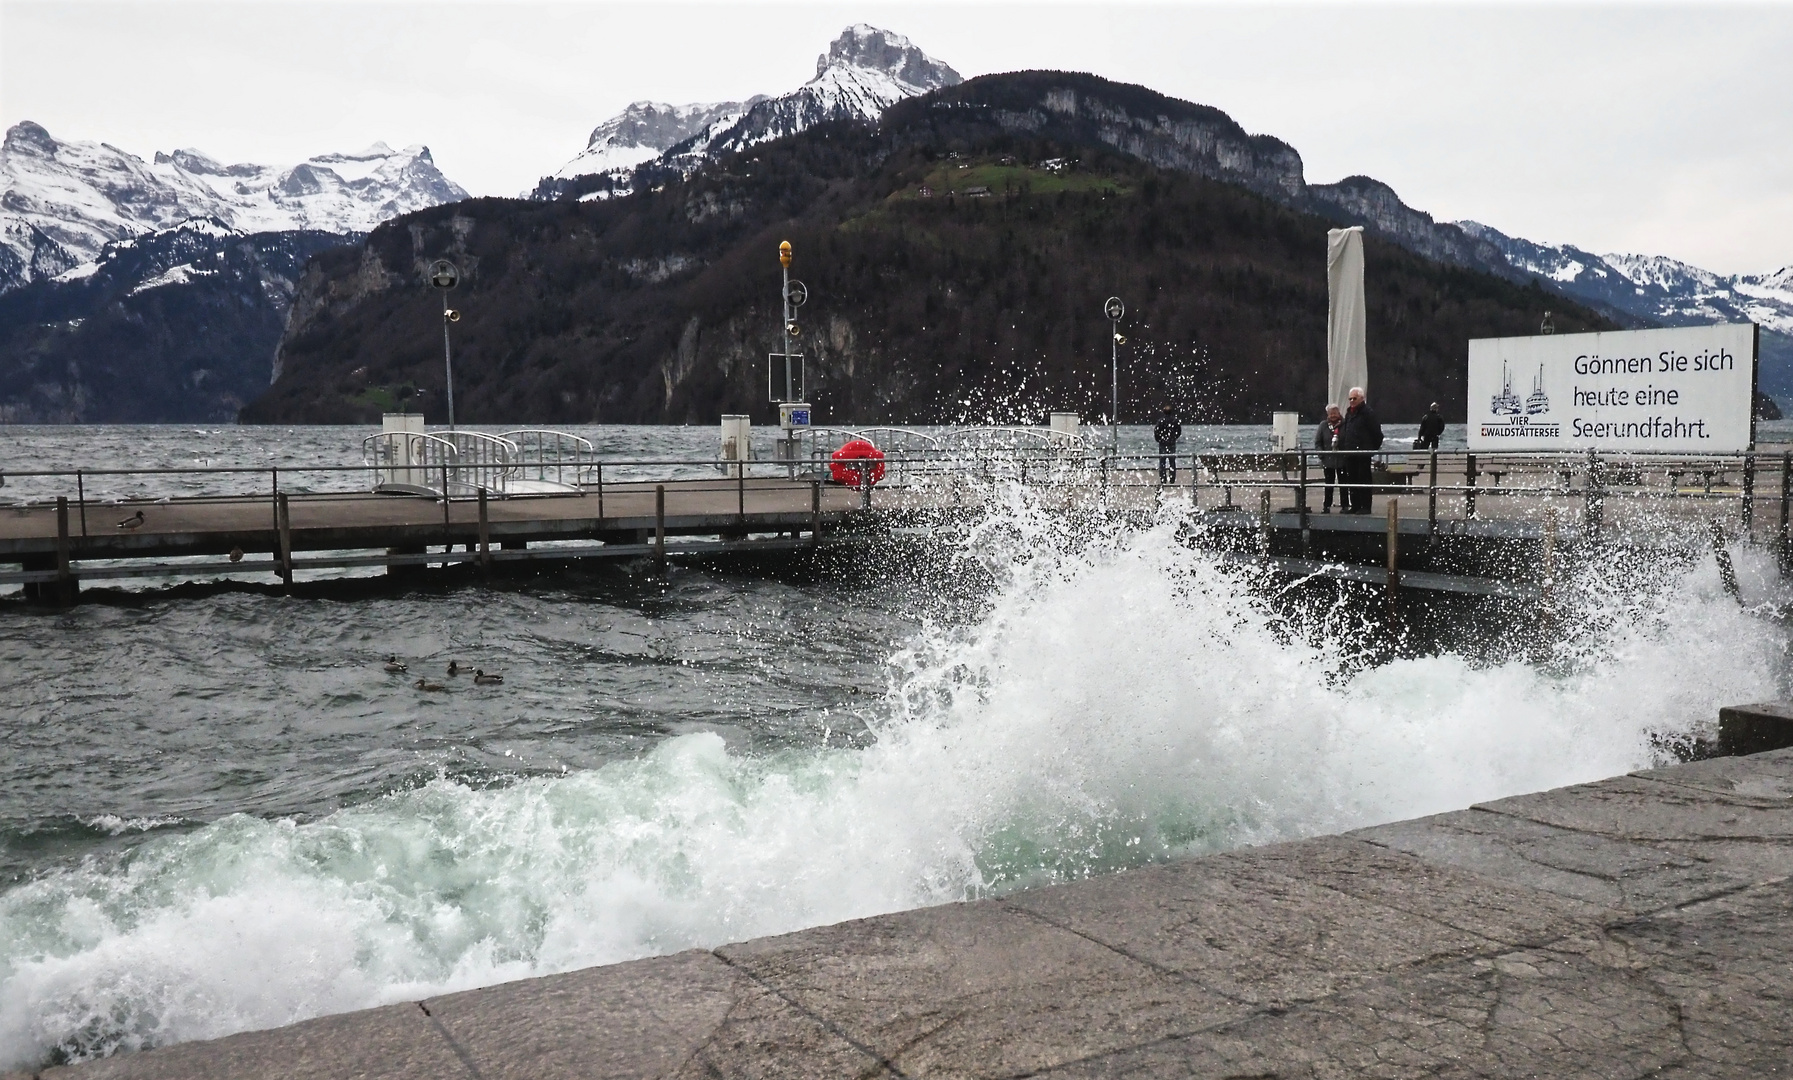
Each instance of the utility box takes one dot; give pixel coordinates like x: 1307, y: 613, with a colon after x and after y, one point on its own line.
x: 793, y: 415
x: 398, y: 458
x: 1064, y: 424
x: 737, y: 441
x: 1285, y: 431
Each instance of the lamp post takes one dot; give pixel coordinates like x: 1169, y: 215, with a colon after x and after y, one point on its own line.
x: 1114, y: 309
x: 444, y: 276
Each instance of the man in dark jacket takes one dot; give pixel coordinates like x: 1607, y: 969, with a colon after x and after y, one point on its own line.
x: 1326, y: 438
x: 1360, y: 432
x: 1431, y: 426
x: 1167, y: 431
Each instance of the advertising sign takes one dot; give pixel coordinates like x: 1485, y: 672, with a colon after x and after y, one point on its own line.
x: 1686, y: 390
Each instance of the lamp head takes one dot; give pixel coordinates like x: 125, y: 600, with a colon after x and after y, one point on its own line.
x: 784, y: 253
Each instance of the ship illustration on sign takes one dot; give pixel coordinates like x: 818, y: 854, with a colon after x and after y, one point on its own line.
x: 1539, y: 402
x: 1516, y: 418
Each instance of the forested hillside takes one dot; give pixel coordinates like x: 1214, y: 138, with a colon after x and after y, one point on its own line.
x: 957, y: 257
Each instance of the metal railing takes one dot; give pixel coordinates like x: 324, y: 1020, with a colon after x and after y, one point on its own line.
x: 548, y: 462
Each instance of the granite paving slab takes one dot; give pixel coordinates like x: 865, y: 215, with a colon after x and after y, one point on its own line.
x: 976, y: 990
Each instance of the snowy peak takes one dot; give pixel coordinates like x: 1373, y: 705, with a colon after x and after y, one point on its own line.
x: 865, y: 71
x: 1651, y: 287
x: 869, y: 49
x: 62, y: 202
x: 644, y: 131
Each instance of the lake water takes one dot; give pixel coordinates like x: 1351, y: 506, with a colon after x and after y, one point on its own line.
x: 218, y: 811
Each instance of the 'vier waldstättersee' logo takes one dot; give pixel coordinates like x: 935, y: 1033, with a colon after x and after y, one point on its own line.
x: 1516, y: 418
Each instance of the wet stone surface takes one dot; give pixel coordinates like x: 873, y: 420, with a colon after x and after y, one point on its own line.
x: 1640, y: 926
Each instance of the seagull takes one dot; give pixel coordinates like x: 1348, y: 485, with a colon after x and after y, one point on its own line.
x: 423, y: 685
x: 482, y: 679
x: 454, y: 667
x: 132, y: 522
x: 393, y: 667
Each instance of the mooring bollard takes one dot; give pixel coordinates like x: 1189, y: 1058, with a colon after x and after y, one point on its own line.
x: 660, y: 525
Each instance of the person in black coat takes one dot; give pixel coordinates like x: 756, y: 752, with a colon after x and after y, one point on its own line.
x: 1326, y: 439
x: 1167, y: 431
x: 1360, y: 432
x: 1431, y: 426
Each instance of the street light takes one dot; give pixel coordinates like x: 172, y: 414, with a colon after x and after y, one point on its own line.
x: 444, y: 276
x: 1114, y: 309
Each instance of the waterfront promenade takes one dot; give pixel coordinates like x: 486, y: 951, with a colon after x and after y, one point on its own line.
x: 1637, y: 926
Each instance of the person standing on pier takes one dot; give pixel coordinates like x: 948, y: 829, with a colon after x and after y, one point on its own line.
x: 1431, y: 426
x: 1359, y: 434
x: 1167, y: 431
x: 1326, y: 440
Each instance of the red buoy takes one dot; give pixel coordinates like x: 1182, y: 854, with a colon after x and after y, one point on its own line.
x: 844, y: 471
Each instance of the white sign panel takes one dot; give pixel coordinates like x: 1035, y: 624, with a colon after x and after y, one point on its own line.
x: 1683, y: 390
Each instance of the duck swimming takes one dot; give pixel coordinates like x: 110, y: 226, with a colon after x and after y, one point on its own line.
x: 454, y: 667
x: 393, y: 667
x: 482, y: 679
x: 422, y: 684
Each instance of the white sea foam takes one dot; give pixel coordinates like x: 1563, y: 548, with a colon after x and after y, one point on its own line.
x: 1122, y: 698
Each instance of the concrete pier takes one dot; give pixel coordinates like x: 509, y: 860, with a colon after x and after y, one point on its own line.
x: 1638, y: 926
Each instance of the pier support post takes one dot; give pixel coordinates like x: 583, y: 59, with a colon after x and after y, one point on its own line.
x: 1749, y: 493
x: 284, y: 522
x: 1546, y: 626
x: 1432, y: 498
x: 1591, y: 517
x: 1264, y: 523
x: 1469, y: 478
x: 1786, y: 547
x: 1727, y: 573
x: 660, y: 525
x: 485, y: 536
x: 1394, y: 554
x: 65, y: 578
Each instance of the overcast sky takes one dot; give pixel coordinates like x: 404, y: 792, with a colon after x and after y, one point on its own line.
x: 1658, y: 129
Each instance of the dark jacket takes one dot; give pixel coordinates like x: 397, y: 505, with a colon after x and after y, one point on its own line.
x: 1431, y: 426
x: 1326, y: 437
x: 1361, y: 430
x: 1167, y: 431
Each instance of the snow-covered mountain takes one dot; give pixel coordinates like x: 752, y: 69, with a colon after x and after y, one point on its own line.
x: 645, y: 130
x: 1651, y: 287
x: 62, y: 202
x: 865, y: 71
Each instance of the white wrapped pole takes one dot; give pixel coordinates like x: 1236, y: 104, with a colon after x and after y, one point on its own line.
x: 1347, y: 354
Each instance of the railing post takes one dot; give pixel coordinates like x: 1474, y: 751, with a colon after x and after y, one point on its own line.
x: 660, y: 525
x: 1394, y: 553
x: 447, y: 536
x: 284, y: 522
x: 815, y: 512
x: 1301, y: 490
x: 65, y: 578
x: 1727, y: 572
x: 1264, y: 523
x: 1469, y: 477
x: 1432, y: 498
x: 741, y: 495
x: 600, y: 471
x: 1547, y: 590
x: 81, y: 495
x: 485, y: 535
x: 1749, y: 494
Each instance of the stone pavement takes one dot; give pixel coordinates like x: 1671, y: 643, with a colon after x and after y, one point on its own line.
x: 1639, y: 926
